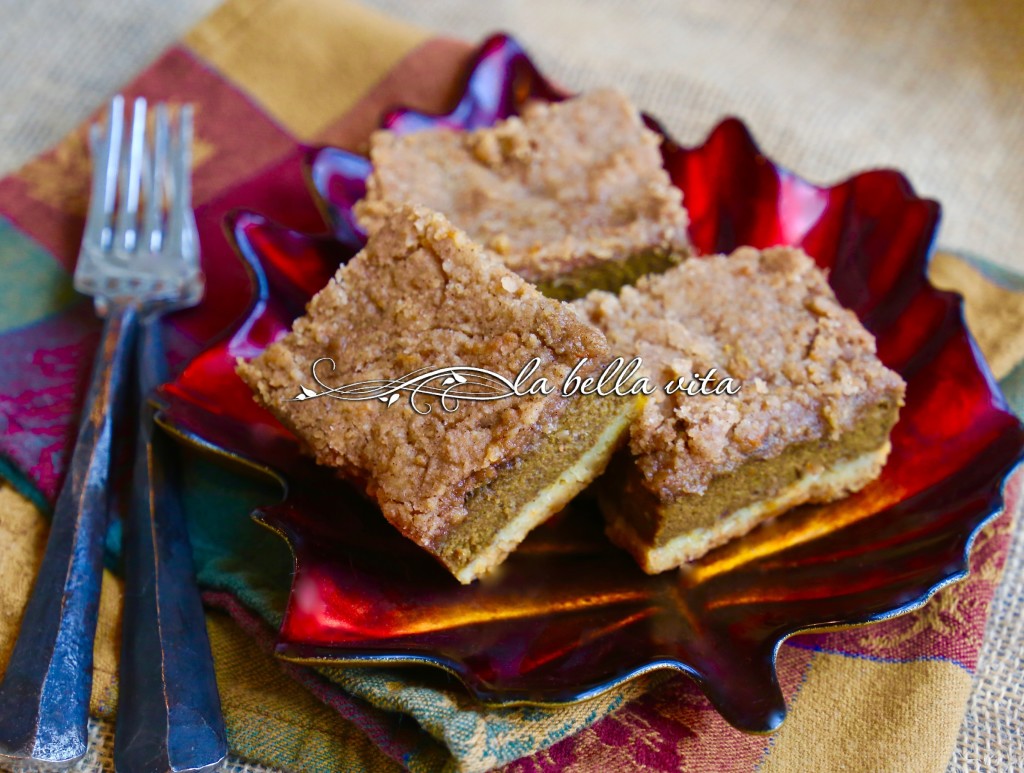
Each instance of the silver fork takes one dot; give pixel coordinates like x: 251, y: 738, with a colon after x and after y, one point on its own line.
x: 138, y: 262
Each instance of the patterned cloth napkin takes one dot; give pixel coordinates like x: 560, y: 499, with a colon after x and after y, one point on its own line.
x: 266, y: 75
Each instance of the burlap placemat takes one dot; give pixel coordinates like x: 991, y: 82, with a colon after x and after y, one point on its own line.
x: 825, y: 91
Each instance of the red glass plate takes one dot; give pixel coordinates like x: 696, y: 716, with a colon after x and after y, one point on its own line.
x: 569, y: 615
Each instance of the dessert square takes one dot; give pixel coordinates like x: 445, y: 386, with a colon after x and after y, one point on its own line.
x: 571, y: 195
x: 466, y: 484
x: 810, y: 421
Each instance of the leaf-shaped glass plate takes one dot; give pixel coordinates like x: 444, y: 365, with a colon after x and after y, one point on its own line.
x: 569, y: 615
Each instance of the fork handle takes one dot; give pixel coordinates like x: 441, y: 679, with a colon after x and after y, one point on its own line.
x: 169, y: 716
x: 44, y: 696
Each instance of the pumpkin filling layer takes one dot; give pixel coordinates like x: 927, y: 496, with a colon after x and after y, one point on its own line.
x: 537, y: 483
x: 661, y: 535
x: 610, y: 276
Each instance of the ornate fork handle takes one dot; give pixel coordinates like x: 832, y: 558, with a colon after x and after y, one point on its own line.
x: 169, y: 716
x: 44, y: 697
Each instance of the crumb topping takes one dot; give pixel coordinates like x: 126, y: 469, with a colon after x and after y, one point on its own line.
x: 421, y: 294
x: 768, y: 319
x: 567, y: 184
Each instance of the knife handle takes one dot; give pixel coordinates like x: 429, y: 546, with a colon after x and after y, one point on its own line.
x: 44, y: 696
x: 169, y: 715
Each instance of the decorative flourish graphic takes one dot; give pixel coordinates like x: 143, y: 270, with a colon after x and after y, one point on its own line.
x: 450, y: 385
x: 462, y: 382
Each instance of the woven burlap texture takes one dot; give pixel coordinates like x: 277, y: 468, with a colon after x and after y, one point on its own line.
x: 934, y: 88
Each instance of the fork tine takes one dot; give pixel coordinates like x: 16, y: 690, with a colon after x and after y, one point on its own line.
x: 127, y: 233
x: 97, y: 219
x: 181, y: 229
x: 152, y: 228
x: 105, y: 147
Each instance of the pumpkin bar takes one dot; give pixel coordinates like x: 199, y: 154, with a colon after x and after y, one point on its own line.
x: 468, y: 483
x: 570, y: 195
x: 810, y: 421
